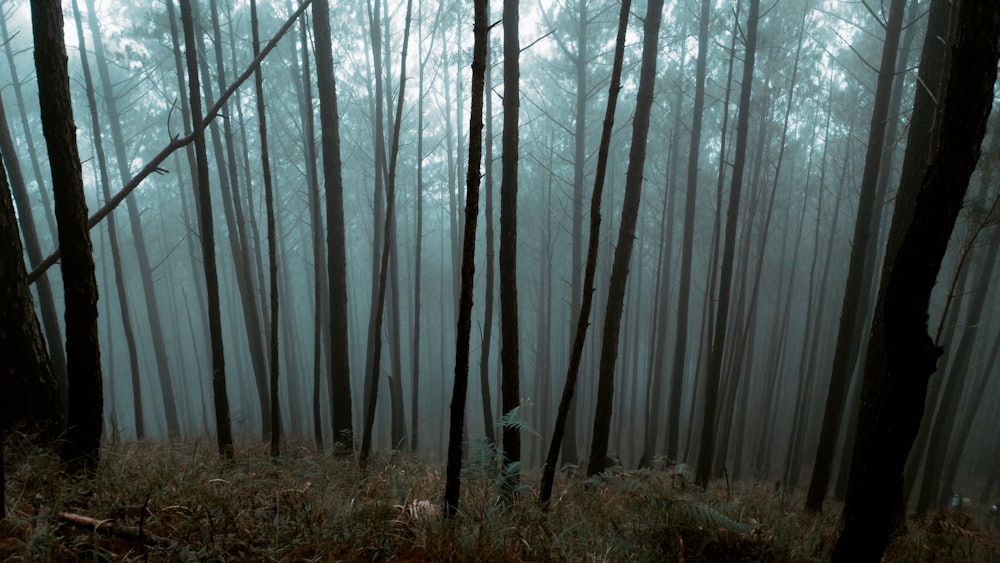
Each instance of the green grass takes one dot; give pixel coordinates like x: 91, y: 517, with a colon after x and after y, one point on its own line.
x: 306, y: 506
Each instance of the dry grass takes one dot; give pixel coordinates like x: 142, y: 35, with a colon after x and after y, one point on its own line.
x: 310, y: 507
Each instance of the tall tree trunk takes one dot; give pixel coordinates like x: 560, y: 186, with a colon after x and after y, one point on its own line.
x: 901, y: 354
x: 233, y: 210
x: 593, y: 244
x: 626, y: 238
x: 706, y: 451
x: 206, y: 225
x: 320, y: 316
x: 388, y: 243
x: 85, y: 422
x: 272, y: 246
x: 123, y: 302
x: 461, y: 383
x: 489, y: 299
x: 687, y: 248
x: 145, y: 270
x: 340, y: 381
x: 845, y: 354
x: 509, y: 337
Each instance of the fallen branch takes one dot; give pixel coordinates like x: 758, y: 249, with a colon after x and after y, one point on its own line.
x: 108, y: 527
x: 175, y: 143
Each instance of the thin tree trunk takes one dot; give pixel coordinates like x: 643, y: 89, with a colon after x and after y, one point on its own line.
x: 207, y: 232
x: 844, y: 353
x: 272, y: 246
x: 116, y: 258
x: 145, y: 270
x: 233, y: 211
x: 509, y: 337
x: 388, y: 243
x: 593, y: 244
x: 626, y: 238
x: 489, y: 299
x: 457, y: 421
x: 706, y: 451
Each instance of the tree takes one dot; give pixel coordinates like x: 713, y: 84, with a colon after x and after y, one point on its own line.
x: 272, y: 251
x: 50, y: 318
x: 593, y: 242
x: 29, y: 388
x: 707, y: 447
x: 687, y: 248
x: 845, y: 354
x: 388, y: 243
x: 460, y: 387
x: 123, y: 301
x: 85, y: 420
x: 901, y: 354
x: 224, y: 435
x: 510, y: 386
x: 145, y: 270
x: 626, y: 238
x: 340, y: 380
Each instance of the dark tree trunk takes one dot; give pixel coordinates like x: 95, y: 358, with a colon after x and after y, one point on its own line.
x: 509, y: 337
x: 320, y: 316
x: 461, y: 383
x: 707, y: 447
x: 845, y: 354
x: 119, y: 281
x: 388, y: 240
x: 687, y: 248
x: 50, y: 317
x: 272, y: 246
x: 206, y: 224
x: 30, y: 391
x: 626, y: 238
x: 593, y: 244
x: 901, y: 354
x: 85, y: 422
x: 340, y: 380
x: 233, y: 211
x: 489, y: 299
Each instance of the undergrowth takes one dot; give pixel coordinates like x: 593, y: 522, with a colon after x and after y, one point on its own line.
x: 179, y: 502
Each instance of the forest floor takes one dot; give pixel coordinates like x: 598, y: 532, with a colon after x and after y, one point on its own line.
x: 178, y: 502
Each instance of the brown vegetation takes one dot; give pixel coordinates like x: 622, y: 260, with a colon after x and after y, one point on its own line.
x: 179, y: 502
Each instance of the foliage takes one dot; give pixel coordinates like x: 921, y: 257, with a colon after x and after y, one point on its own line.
x: 305, y: 506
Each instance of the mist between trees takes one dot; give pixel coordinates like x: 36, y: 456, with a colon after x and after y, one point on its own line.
x: 290, y: 266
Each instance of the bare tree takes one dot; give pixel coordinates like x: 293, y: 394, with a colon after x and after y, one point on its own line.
x: 626, y: 237
x: 457, y: 421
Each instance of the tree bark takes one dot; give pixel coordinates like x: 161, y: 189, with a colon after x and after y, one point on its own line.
x: 85, y: 422
x: 509, y: 337
x: 626, y: 238
x: 272, y: 246
x: 844, y: 353
x: 224, y: 435
x: 461, y: 383
x: 901, y: 354
x: 707, y: 446
x: 119, y: 276
x: 340, y: 381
